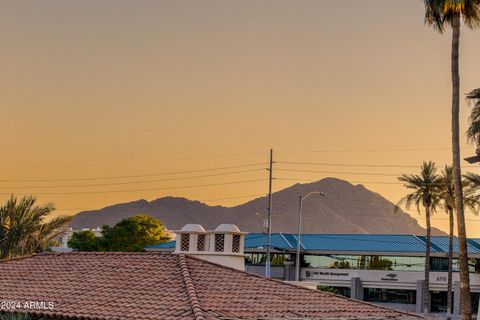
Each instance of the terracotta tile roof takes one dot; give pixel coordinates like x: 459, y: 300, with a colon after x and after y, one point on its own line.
x: 156, y: 285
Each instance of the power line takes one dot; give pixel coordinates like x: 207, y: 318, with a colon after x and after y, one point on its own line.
x: 131, y: 182
x: 341, y: 172
x: 315, y: 180
x: 138, y: 190
x: 140, y: 161
x: 352, y: 181
x: 134, y: 176
x: 357, y: 165
x: 363, y: 150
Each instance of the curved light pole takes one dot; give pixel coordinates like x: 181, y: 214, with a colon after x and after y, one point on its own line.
x: 299, y: 234
x: 263, y: 221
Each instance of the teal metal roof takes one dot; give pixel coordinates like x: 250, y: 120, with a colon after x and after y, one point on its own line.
x: 394, y: 243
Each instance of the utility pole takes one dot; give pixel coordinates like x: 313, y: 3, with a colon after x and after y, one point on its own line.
x: 269, y: 227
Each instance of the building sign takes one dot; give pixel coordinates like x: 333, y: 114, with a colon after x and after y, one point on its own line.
x: 337, y: 274
x: 390, y: 277
x: 313, y: 274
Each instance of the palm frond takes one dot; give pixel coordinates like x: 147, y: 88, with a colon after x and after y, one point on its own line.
x: 426, y: 186
x: 23, y: 229
x: 440, y: 13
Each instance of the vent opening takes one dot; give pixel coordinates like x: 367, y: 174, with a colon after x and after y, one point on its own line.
x: 219, y: 242
x: 236, y: 243
x: 201, y: 242
x: 184, y: 242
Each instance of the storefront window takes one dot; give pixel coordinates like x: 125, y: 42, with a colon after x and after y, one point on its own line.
x: 441, y: 264
x: 365, y: 262
x: 389, y: 295
x: 276, y: 259
x: 438, y: 301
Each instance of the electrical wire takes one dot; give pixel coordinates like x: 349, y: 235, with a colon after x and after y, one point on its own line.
x: 136, y: 162
x: 139, y: 190
x: 356, y: 165
x: 313, y: 180
x: 362, y: 150
x: 340, y: 172
x: 135, y: 176
x: 132, y: 182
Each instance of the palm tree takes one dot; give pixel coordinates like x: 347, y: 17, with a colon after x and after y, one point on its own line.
x: 14, y: 316
x: 22, y: 227
x: 426, y: 193
x: 471, y: 200
x: 441, y: 14
x: 473, y: 131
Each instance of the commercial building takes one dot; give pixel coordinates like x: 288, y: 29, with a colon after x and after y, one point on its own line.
x: 383, y: 269
x: 191, y: 283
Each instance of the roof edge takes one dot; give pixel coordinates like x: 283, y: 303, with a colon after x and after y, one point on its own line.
x: 408, y: 315
x: 191, y: 293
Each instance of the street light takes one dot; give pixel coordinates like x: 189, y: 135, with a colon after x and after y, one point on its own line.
x: 263, y: 220
x: 299, y: 235
x: 474, y: 159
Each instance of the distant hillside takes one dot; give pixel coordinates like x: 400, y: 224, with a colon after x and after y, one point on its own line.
x: 346, y: 208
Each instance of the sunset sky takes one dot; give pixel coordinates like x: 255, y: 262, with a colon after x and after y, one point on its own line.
x: 138, y: 89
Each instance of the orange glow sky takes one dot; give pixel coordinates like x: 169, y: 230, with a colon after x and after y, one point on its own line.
x: 119, y: 88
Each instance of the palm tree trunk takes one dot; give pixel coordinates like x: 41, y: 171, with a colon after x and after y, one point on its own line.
x: 450, y: 258
x: 465, y: 299
x: 426, y: 284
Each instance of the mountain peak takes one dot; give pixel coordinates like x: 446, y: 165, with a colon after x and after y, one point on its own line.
x: 346, y: 208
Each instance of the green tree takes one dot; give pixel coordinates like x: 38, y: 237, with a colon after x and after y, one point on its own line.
x: 327, y: 289
x: 473, y: 131
x: 341, y: 265
x: 129, y: 235
x: 470, y: 200
x: 377, y: 263
x: 442, y: 14
x: 23, y: 229
x: 84, y: 240
x: 426, y: 194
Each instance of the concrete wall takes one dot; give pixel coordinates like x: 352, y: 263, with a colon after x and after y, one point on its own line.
x: 276, y: 272
x: 232, y: 260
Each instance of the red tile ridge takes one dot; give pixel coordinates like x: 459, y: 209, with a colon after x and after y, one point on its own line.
x: 91, y: 253
x: 304, y: 288
x: 191, y: 293
x: 18, y: 258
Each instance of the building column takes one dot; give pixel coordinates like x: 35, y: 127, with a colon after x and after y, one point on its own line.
x: 356, y: 289
x: 289, y: 271
x: 419, y: 300
x: 456, y: 298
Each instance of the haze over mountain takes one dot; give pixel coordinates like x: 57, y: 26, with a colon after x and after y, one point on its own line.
x: 346, y: 208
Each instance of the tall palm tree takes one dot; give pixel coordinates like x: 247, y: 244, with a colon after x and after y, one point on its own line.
x: 23, y: 229
x: 473, y: 131
x: 426, y: 193
x: 442, y: 14
x: 471, y: 201
x: 14, y: 316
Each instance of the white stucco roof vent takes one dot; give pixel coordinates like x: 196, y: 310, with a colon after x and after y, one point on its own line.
x: 224, y: 245
x: 192, y: 228
x: 227, y: 228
